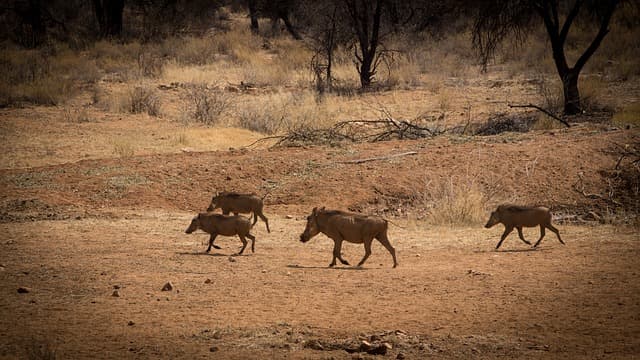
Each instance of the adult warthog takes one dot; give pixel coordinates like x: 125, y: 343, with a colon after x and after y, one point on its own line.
x: 239, y: 203
x: 513, y: 216
x: 343, y: 226
x: 217, y: 224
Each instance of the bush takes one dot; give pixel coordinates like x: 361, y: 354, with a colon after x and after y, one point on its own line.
x: 144, y: 99
x: 206, y: 105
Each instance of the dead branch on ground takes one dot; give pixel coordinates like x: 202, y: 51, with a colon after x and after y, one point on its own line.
x: 547, y: 112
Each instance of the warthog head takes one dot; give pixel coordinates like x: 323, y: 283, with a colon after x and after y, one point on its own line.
x: 493, y: 219
x: 195, y: 225
x: 214, y: 202
x: 311, y: 229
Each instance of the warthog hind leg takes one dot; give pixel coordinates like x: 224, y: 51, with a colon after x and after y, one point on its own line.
x: 266, y: 221
x: 385, y: 242
x: 522, y: 236
x: 552, y: 228
x: 253, y: 242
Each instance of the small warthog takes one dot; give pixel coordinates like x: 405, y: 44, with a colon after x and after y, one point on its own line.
x: 239, y: 203
x: 217, y: 224
x: 343, y: 226
x: 513, y: 216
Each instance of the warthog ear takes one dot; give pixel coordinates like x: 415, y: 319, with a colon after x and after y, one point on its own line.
x: 198, y: 217
x: 322, y: 209
x: 315, y: 210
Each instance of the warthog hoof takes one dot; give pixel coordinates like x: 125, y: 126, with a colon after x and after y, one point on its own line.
x: 217, y: 247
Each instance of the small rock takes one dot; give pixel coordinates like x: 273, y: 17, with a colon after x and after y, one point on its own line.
x: 23, y: 290
x: 288, y: 216
x: 167, y: 287
x: 400, y: 356
x: 115, y: 293
x: 375, y: 338
x: 116, y: 287
x: 214, y: 349
x: 418, y: 255
x: 232, y: 259
x: 208, y: 281
x: 131, y: 323
x: 264, y: 271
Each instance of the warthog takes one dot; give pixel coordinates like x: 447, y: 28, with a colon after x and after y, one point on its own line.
x: 513, y: 216
x: 217, y: 224
x: 343, y: 226
x: 239, y: 203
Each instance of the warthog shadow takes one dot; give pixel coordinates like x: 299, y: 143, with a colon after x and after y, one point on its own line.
x: 295, y: 266
x: 510, y: 250
x: 200, y: 253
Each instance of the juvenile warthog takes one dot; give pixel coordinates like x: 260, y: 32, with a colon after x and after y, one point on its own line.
x: 513, y: 216
x: 217, y: 224
x: 239, y: 203
x: 343, y: 226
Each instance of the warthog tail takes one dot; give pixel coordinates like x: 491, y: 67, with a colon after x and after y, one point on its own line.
x: 394, y: 224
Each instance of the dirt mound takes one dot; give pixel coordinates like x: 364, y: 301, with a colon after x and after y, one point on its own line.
x: 532, y: 168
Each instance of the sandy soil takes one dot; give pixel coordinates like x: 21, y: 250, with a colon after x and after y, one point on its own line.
x: 77, y: 223
x: 451, y: 297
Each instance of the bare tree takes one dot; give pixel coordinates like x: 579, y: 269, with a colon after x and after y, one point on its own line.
x: 109, y: 16
x: 498, y: 19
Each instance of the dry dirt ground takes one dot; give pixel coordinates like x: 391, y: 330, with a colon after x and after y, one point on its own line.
x: 74, y: 233
x: 78, y: 223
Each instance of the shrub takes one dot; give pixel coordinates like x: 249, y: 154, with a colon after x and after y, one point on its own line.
x: 207, y: 105
x: 144, y: 99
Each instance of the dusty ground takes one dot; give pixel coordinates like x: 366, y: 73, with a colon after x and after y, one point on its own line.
x: 78, y: 222
x: 451, y: 297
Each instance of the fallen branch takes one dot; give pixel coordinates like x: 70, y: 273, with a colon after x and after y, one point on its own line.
x: 360, y: 161
x: 540, y: 109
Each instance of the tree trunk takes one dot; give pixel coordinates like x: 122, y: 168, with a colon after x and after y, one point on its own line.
x: 571, y: 93
x: 109, y: 16
x: 253, y: 14
x: 287, y: 23
x: 366, y: 73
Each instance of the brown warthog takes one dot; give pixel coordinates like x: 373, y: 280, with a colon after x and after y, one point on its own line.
x: 343, y: 226
x: 217, y: 224
x: 239, y: 203
x: 513, y: 216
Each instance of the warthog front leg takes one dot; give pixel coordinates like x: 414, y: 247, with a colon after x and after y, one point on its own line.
x: 211, y: 239
x: 507, y: 231
x: 337, y: 249
x: 244, y: 244
x: 541, y: 236
x: 522, y: 236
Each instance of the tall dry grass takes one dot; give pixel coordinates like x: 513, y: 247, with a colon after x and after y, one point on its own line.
x: 459, y: 200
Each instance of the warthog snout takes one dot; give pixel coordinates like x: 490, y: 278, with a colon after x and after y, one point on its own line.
x: 493, y: 219
x: 304, y: 237
x: 195, y: 223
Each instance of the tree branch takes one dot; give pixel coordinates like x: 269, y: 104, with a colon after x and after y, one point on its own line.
x: 543, y: 110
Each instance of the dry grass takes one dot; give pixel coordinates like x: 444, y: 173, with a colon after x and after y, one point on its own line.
x: 144, y: 99
x: 628, y: 116
x: 123, y: 148
x: 455, y: 201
